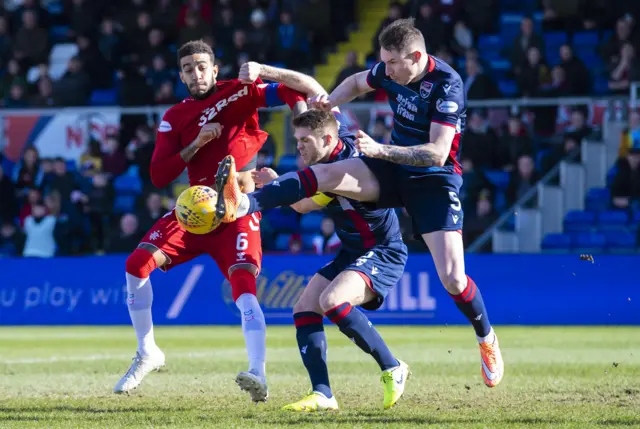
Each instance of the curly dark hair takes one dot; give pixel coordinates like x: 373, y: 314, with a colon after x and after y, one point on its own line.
x: 195, y: 47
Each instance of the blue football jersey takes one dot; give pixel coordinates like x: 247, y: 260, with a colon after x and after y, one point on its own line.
x: 438, y: 97
x: 359, y: 225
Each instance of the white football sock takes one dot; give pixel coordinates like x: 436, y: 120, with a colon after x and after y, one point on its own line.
x: 243, y: 208
x: 139, y: 299
x: 254, y: 330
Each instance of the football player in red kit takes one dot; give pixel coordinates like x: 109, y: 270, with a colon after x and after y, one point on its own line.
x: 220, y: 118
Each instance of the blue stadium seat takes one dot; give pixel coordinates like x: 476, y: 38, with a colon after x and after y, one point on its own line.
x: 498, y: 178
x: 601, y: 86
x: 104, y: 97
x: 58, y: 33
x: 7, y: 167
x: 579, y: 221
x: 510, y: 25
x: 282, y: 241
x: 556, y: 243
x: 500, y: 68
x: 635, y: 221
x: 589, y: 242
x: 588, y: 39
x: 490, y: 42
x: 307, y: 241
x: 311, y: 222
x: 124, y: 204
x: 555, y: 39
x: 127, y: 185
x: 287, y: 163
x: 72, y: 166
x: 537, y: 17
x: 133, y: 170
x: 620, y: 241
x: 508, y: 87
x: 55, y: 7
x: 552, y: 54
x: 613, y: 220
x: 597, y: 199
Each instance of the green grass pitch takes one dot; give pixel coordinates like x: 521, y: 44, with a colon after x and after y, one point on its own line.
x: 559, y: 377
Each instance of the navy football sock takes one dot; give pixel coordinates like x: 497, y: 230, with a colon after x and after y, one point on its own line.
x: 284, y: 191
x: 312, y: 344
x: 471, y: 304
x: 355, y: 325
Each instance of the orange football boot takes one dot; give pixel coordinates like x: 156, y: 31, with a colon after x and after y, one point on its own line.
x: 492, y: 363
x: 229, y: 192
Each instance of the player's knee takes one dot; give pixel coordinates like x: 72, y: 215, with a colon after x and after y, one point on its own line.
x: 329, y: 299
x: 305, y: 304
x: 454, y: 284
x: 242, y: 282
x: 141, y: 263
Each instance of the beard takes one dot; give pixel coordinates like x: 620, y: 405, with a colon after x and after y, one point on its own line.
x: 203, y: 95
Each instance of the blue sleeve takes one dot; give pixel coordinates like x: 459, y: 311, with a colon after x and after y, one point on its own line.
x: 272, y: 99
x: 451, y: 102
x: 376, y: 76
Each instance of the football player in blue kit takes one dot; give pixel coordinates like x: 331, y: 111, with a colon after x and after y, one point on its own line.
x: 370, y: 262
x: 419, y: 170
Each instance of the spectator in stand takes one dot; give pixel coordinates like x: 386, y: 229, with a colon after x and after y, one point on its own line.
x: 17, y: 98
x: 477, y: 84
x: 480, y: 142
x: 525, y: 40
x: 166, y: 94
x: 11, y: 240
x: 612, y: 49
x: 34, y: 198
x: 127, y: 236
x: 534, y: 74
x: 91, y: 160
x: 8, y: 198
x: 561, y: 15
x: 630, y: 136
x: 195, y: 27
x: 74, y: 87
x: 462, y: 38
x: 44, y: 96
x: 327, y: 241
x: 431, y: 27
x: 32, y: 42
x: 153, y: 210
x: 159, y: 73
x: 109, y: 41
x: 625, y: 188
x: 12, y: 76
x: 39, y: 228
x: 351, y: 67
x: 114, y: 162
x: 98, y: 206
x: 27, y: 173
x: 6, y: 42
x: 580, y: 82
x: 393, y: 13
x: 259, y: 37
x: 477, y: 221
x: 514, y: 144
x: 522, y: 180
x: 624, y: 69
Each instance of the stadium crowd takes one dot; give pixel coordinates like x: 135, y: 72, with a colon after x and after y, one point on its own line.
x: 126, y: 55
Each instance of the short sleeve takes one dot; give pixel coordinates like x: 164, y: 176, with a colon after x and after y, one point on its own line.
x: 450, y: 102
x: 376, y: 76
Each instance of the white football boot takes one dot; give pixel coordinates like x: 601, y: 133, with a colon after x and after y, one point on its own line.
x: 256, y: 385
x: 141, y: 366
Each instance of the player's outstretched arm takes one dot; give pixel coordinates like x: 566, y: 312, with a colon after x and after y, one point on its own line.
x: 293, y: 79
x: 266, y: 175
x: 350, y: 88
x: 432, y: 154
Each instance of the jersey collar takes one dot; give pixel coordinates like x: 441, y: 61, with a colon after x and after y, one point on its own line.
x: 431, y: 64
x: 336, y: 150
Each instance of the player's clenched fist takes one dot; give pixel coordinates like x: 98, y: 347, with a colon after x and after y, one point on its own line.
x: 263, y: 176
x: 367, y: 146
x: 321, y: 102
x: 249, y: 72
x: 207, y: 133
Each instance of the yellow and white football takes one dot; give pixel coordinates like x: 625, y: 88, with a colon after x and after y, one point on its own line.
x: 195, y: 209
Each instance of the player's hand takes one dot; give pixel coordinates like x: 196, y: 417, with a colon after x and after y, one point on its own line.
x: 320, y: 102
x: 207, y: 133
x: 367, y: 146
x: 249, y: 72
x: 263, y: 176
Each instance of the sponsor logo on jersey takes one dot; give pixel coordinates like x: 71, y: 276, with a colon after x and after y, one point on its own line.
x: 211, y: 112
x: 425, y: 89
x: 164, y: 127
x: 443, y: 106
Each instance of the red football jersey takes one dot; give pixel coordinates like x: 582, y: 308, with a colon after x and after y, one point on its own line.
x: 234, y: 105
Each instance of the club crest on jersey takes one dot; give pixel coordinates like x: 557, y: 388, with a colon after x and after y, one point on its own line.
x: 425, y: 89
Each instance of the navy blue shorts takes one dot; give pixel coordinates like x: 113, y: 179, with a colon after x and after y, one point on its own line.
x: 432, y: 200
x: 382, y: 264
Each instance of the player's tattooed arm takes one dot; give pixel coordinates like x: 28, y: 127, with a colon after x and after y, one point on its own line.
x: 293, y: 79
x: 207, y: 133
x: 189, y: 152
x: 432, y: 154
x: 423, y: 155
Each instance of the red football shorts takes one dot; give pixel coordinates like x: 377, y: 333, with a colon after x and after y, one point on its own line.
x: 229, y: 244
